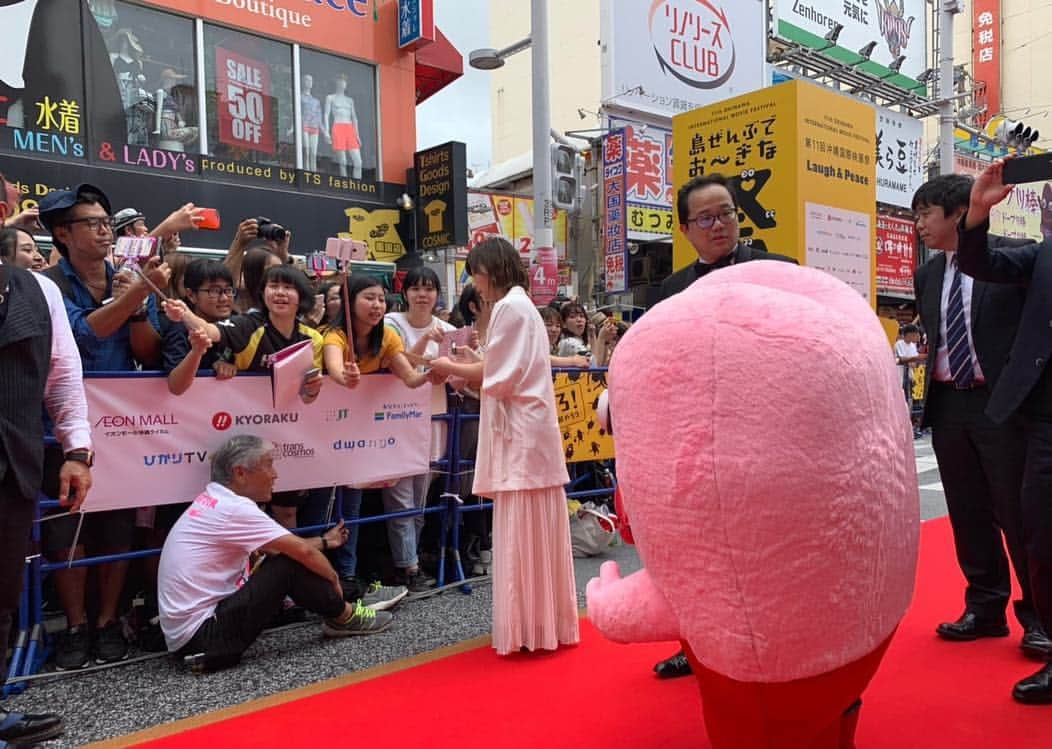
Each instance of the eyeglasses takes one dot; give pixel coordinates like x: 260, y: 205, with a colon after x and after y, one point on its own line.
x: 705, y: 221
x: 94, y: 223
x: 215, y: 292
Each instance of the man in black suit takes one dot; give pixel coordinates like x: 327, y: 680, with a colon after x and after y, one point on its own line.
x: 970, y: 325
x: 707, y: 207
x: 1024, y: 388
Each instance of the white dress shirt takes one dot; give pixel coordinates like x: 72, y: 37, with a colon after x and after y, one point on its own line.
x: 64, y: 390
x: 942, y: 356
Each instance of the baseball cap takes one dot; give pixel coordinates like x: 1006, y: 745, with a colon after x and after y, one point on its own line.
x: 60, y: 200
x: 126, y: 217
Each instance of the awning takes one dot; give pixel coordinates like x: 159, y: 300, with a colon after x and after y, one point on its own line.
x: 437, y: 65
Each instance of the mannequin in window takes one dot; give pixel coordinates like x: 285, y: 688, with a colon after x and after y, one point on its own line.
x: 131, y: 80
x: 340, y: 125
x: 310, y: 111
x: 170, y: 127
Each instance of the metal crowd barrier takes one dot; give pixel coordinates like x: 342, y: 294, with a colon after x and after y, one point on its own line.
x: 30, y: 646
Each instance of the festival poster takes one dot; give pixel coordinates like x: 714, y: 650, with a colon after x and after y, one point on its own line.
x: 896, y: 256
x: 576, y: 405
x: 246, y: 111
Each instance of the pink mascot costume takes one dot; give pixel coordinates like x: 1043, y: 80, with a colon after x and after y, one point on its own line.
x: 766, y: 463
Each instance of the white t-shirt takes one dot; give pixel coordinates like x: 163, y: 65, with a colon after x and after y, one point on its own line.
x: 410, y: 336
x: 205, y: 559
x: 904, y: 350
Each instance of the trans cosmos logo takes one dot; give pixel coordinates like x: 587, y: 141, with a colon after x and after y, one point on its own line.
x: 692, y: 40
x: 894, y: 26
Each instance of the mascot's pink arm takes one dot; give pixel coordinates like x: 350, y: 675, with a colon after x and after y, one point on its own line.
x: 629, y: 609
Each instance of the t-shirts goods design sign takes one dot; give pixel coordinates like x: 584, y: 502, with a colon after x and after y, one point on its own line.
x: 670, y: 56
x: 154, y: 449
x: 900, y: 159
x: 896, y: 250
x: 246, y: 113
x: 898, y: 26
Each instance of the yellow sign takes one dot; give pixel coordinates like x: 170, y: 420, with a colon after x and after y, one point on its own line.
x: 377, y: 229
x: 576, y: 400
x: 649, y: 220
x: 802, y: 158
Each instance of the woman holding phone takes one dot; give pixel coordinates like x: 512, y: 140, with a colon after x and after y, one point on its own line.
x: 521, y: 465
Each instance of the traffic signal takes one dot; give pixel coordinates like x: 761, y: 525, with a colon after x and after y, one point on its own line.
x: 1015, y: 133
x: 565, y: 177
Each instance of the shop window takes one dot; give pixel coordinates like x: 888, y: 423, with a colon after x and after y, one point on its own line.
x: 249, y: 98
x: 151, y: 54
x: 338, y: 110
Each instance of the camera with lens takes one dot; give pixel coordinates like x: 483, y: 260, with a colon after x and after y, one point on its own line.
x: 269, y: 230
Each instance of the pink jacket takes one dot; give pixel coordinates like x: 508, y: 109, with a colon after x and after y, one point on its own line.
x: 520, y: 446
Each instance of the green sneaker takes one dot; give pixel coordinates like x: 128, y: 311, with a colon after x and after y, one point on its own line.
x: 380, y: 597
x: 364, y: 621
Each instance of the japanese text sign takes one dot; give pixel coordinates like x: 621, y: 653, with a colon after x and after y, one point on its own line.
x: 615, y: 239
x: 899, y: 157
x: 986, y: 57
x: 896, y: 256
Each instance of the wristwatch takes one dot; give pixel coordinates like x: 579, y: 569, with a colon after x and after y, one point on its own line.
x: 82, y: 455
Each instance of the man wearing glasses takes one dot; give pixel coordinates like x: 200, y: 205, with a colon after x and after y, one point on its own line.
x: 707, y: 207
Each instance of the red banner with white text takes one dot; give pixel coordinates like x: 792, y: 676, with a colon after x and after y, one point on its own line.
x: 986, y: 57
x: 246, y: 107
x: 896, y: 256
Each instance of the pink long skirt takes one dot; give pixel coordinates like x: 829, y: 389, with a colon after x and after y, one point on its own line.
x: 534, y: 595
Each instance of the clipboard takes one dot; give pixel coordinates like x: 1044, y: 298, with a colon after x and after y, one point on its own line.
x: 287, y: 368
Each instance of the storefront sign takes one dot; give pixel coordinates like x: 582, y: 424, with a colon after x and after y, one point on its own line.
x: 441, y: 182
x: 614, y: 226
x: 899, y: 157
x: 149, y: 454
x: 650, y: 193
x: 246, y: 117
x: 986, y: 57
x: 898, y: 26
x: 669, y: 56
x: 896, y: 256
x: 416, y: 23
x: 510, y: 217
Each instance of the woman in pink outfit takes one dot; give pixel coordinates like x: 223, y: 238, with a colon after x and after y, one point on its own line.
x: 520, y: 462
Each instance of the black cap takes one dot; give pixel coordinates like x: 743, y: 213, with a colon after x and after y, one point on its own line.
x: 59, y: 200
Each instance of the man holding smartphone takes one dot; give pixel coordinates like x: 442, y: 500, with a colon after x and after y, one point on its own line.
x: 1024, y: 388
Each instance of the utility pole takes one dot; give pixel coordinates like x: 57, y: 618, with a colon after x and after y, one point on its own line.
x: 947, y: 10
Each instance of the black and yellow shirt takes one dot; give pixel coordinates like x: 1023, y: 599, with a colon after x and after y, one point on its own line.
x: 254, y: 340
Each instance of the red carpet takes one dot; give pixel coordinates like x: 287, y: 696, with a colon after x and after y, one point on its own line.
x: 928, y: 694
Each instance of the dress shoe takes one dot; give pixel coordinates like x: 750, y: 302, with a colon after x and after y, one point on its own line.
x: 1035, y: 689
x: 1036, y: 644
x: 21, y: 729
x: 970, y: 627
x: 673, y: 667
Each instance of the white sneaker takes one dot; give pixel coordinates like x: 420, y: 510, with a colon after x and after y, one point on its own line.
x: 484, y: 563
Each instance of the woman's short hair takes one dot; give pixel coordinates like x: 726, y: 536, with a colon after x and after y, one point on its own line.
x: 422, y: 276
x: 293, y: 276
x: 501, y: 261
x: 252, y: 268
x: 550, y: 315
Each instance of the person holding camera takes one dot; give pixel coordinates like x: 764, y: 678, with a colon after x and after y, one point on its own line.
x: 257, y: 232
x: 1023, y: 390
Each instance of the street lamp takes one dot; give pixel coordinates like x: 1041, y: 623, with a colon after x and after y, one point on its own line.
x: 491, y: 59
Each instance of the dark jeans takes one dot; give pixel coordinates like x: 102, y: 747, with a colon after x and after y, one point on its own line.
x: 981, y: 466
x: 1037, y: 514
x: 239, y: 619
x: 16, y: 521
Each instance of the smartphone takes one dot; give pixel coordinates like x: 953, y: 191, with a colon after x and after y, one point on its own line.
x: 1028, y: 169
x: 311, y: 373
x: 209, y: 219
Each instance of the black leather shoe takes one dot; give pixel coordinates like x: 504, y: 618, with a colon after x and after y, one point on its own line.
x: 970, y: 627
x: 673, y: 667
x: 1036, y: 644
x: 21, y: 729
x: 1035, y: 689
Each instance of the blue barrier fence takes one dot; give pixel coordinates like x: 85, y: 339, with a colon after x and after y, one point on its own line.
x: 30, y: 647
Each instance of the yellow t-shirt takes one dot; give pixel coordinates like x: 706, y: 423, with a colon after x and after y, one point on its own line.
x: 392, y: 344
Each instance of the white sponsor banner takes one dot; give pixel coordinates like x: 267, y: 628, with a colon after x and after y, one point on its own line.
x: 900, y: 157
x: 154, y: 448
x: 670, y: 56
x: 899, y: 27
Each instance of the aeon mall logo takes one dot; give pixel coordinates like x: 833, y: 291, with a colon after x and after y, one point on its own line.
x: 693, y: 41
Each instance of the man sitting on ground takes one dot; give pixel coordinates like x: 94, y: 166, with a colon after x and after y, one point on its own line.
x: 211, y: 607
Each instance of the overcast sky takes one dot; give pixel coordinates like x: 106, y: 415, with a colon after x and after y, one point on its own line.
x: 461, y: 110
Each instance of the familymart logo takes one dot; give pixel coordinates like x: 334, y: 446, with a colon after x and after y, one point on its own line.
x: 398, y: 412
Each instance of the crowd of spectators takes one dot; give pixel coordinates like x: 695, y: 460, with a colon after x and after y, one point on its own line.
x: 194, y: 316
